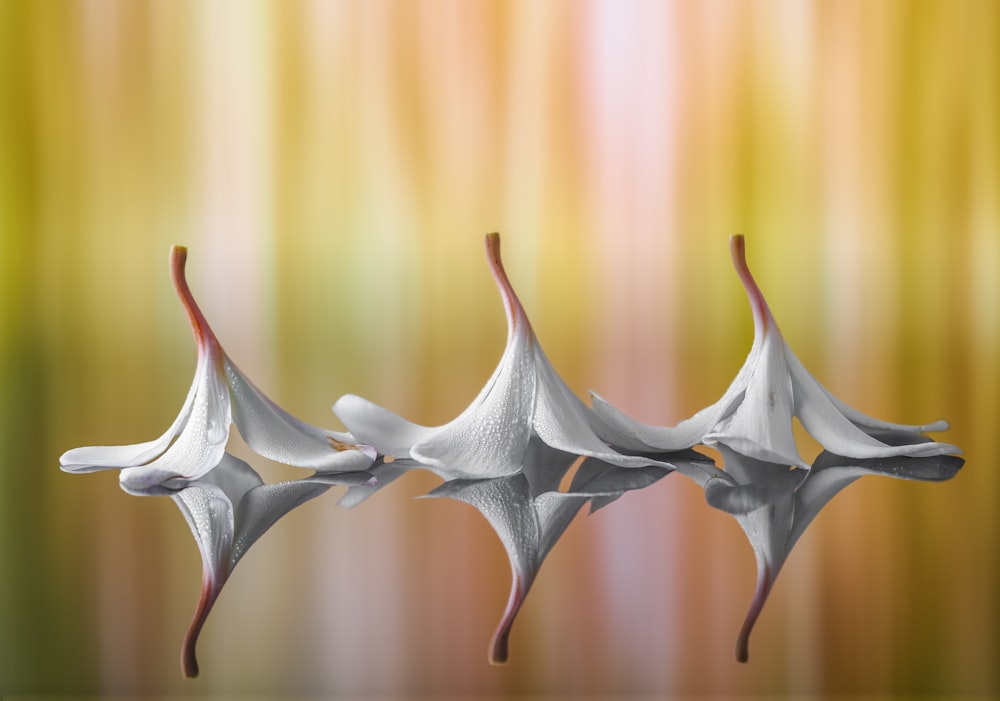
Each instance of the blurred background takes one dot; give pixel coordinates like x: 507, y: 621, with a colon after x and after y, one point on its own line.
x: 333, y: 166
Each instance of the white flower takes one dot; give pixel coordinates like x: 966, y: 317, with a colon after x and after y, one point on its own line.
x: 219, y: 396
x: 754, y: 416
x: 225, y: 502
x: 524, y: 398
x: 507, y: 453
x: 774, y: 504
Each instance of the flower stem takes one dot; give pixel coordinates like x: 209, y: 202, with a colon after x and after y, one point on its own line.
x: 209, y: 593
x: 764, y: 582
x: 202, y: 331
x: 515, y: 312
x: 518, y: 590
x: 761, y: 312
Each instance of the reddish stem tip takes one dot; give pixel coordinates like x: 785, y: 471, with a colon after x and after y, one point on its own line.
x: 189, y: 659
x: 764, y: 582
x: 189, y: 665
x: 178, y: 256
x: 512, y: 305
x: 199, y: 325
x: 498, y: 645
x: 761, y: 313
x: 519, y: 587
x: 498, y: 648
x: 209, y: 593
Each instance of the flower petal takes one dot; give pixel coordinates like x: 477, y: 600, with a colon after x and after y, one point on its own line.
x: 824, y: 421
x: 562, y: 421
x: 275, y: 434
x: 761, y: 426
x: 385, y: 431
x: 489, y: 438
x: 624, y: 432
x: 104, y: 457
x: 201, y: 443
x: 876, y: 426
x: 196, y: 440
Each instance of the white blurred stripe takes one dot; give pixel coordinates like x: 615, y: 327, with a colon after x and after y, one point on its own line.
x: 233, y: 237
x: 629, y: 115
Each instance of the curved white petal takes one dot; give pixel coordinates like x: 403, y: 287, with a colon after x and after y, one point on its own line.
x: 561, y: 420
x: 370, y: 424
x: 622, y: 431
x: 868, y: 423
x: 824, y: 420
x: 273, y: 433
x: 196, y: 440
x: 489, y: 438
x: 201, y: 442
x: 104, y: 457
x: 761, y: 425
